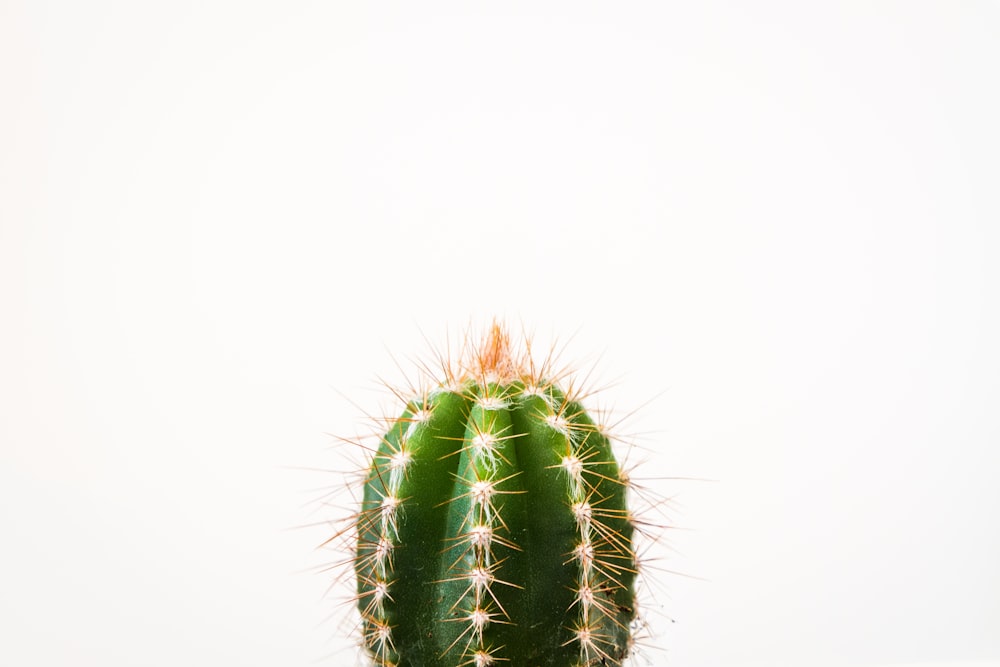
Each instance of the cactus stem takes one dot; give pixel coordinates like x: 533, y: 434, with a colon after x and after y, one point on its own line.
x: 495, y: 525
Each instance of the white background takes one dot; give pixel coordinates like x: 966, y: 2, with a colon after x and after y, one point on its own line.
x: 776, y: 223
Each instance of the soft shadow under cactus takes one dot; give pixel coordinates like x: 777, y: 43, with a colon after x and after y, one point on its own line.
x: 494, y: 527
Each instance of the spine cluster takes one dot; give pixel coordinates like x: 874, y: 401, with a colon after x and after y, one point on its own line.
x: 494, y: 527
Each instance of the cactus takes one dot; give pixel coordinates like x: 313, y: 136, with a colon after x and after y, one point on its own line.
x: 494, y: 527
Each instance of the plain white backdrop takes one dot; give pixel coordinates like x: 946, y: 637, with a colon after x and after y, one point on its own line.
x: 776, y: 223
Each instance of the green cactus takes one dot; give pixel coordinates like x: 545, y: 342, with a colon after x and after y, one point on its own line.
x: 494, y: 528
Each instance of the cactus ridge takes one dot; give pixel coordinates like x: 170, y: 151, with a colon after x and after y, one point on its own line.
x: 494, y: 526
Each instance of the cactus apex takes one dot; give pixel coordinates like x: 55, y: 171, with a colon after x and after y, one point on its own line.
x: 493, y: 356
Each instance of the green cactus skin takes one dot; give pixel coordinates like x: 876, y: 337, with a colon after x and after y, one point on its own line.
x: 494, y: 528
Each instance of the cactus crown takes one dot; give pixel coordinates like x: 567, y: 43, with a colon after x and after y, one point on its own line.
x: 494, y: 526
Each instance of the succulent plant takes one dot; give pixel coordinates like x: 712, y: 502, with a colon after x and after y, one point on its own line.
x: 494, y: 527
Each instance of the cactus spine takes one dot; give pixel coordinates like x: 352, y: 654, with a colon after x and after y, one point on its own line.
x: 494, y: 528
